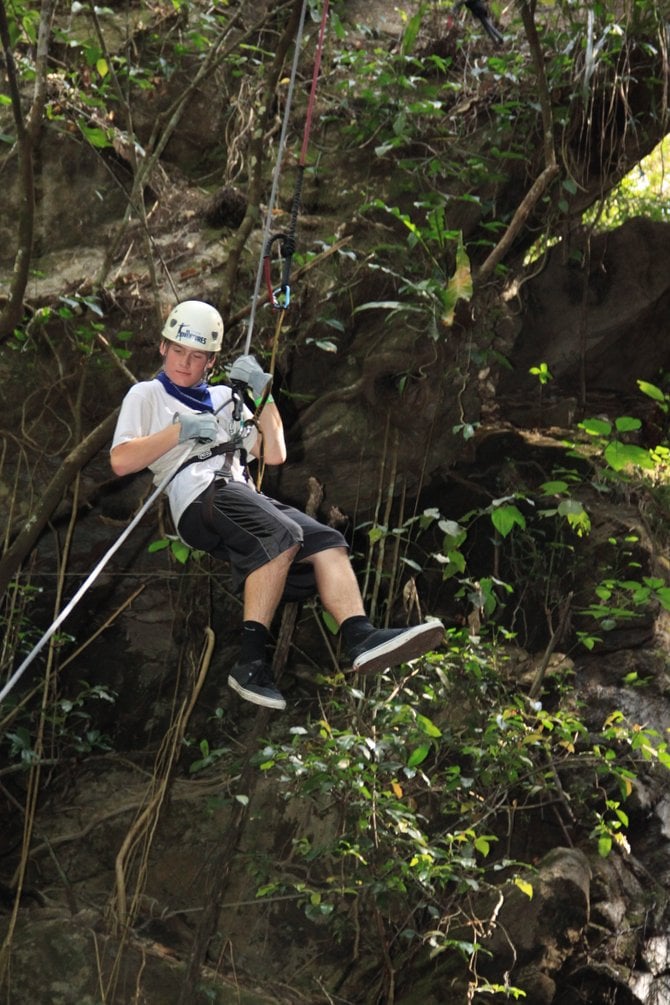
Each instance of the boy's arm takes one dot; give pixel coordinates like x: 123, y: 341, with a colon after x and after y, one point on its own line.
x: 141, y: 451
x: 135, y: 455
x: 247, y: 372
x: 271, y: 442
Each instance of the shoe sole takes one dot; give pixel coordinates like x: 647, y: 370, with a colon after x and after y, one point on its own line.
x: 257, y: 699
x: 414, y: 643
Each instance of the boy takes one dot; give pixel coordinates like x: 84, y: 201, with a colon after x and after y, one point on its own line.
x: 275, y: 551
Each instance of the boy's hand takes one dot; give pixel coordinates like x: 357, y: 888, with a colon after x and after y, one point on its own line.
x: 247, y: 370
x: 200, y: 426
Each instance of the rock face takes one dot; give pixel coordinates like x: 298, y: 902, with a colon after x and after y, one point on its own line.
x: 595, y: 314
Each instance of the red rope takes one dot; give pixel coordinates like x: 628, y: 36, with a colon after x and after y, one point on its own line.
x: 315, y: 77
x: 280, y: 298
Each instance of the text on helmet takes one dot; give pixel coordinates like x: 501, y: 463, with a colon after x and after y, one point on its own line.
x: 184, y: 332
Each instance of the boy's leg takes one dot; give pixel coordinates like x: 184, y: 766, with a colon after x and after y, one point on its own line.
x: 263, y: 588
x: 251, y: 676
x: 234, y: 522
x: 337, y: 584
x: 369, y: 649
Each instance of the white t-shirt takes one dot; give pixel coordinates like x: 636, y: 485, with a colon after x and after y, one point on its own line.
x: 147, y: 408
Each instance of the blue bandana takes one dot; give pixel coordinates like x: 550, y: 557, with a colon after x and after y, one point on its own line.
x: 197, y: 398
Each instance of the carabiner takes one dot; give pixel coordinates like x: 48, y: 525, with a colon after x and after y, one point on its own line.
x: 281, y: 297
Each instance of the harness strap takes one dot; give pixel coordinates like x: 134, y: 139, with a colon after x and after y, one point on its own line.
x: 221, y: 448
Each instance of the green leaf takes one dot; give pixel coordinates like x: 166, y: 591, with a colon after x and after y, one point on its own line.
x: 427, y: 725
x: 454, y: 563
x: 542, y: 372
x: 604, y: 845
x: 180, y: 551
x: 576, y: 515
x: 651, y: 390
x: 504, y: 518
x: 663, y: 595
x: 418, y: 755
x: 267, y: 889
x: 330, y: 622
x: 622, y: 455
x: 96, y: 137
x: 627, y: 424
x: 158, y: 545
x: 596, y: 427
x: 483, y: 845
x: 553, y: 488
x: 411, y: 32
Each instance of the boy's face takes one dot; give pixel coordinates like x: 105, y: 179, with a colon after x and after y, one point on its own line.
x: 185, y: 367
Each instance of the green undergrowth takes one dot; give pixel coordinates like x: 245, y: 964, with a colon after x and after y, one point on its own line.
x: 406, y: 787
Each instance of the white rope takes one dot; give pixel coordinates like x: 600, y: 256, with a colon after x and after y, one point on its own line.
x: 16, y: 676
x: 275, y: 176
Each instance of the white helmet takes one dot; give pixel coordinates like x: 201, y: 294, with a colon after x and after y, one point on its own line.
x: 194, y: 324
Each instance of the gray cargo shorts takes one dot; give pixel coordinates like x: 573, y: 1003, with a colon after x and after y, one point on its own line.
x: 233, y: 522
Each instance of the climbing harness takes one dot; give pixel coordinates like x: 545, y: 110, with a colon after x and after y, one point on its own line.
x: 280, y: 299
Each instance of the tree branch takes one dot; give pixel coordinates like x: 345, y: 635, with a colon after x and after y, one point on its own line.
x: 27, y: 136
x: 546, y: 177
x: 49, y: 499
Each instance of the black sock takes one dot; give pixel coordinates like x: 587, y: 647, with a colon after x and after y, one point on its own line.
x: 355, y: 629
x: 255, y: 639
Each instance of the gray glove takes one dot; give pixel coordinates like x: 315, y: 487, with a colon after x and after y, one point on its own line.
x: 200, y: 426
x: 247, y: 370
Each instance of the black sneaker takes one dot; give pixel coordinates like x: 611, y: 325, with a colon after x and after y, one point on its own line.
x: 389, y: 647
x: 253, y: 682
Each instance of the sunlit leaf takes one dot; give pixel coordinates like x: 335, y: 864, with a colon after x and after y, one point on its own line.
x: 459, y: 286
x: 524, y: 886
x: 623, y: 455
x: 596, y: 427
x: 651, y: 390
